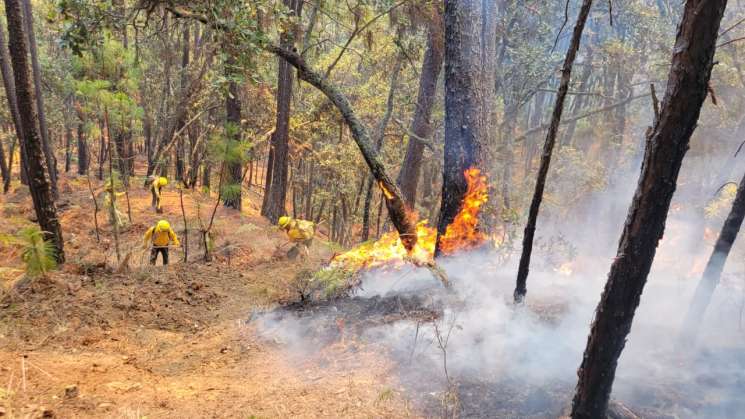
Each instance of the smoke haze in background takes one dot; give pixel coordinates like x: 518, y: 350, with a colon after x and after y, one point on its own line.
x: 506, y: 361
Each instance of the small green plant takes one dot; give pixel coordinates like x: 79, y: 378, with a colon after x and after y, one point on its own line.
x: 37, y: 254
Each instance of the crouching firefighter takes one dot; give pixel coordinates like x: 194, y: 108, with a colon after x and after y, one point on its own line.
x: 301, y: 233
x: 156, y: 184
x: 160, y: 236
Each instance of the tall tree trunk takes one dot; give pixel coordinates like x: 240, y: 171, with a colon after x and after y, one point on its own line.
x: 408, y: 177
x: 275, y: 196
x: 83, y: 154
x: 39, y: 184
x: 667, y: 144
x: 712, y: 273
x: 470, y: 54
x: 233, y: 169
x: 578, y: 104
x: 10, y: 94
x: 28, y: 19
x: 548, y: 148
x: 379, y: 144
x: 4, y: 169
x: 180, y: 147
x: 68, y: 147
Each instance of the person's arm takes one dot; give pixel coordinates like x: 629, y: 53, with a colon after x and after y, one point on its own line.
x: 174, y: 237
x: 148, y: 236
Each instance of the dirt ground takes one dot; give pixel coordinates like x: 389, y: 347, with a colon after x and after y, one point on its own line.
x: 101, y: 339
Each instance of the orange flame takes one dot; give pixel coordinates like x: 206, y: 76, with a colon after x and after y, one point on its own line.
x: 461, y: 234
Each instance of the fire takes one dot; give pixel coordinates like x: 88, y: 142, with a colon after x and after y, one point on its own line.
x: 461, y: 234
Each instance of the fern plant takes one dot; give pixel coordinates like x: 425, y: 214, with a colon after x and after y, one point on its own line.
x: 37, y: 254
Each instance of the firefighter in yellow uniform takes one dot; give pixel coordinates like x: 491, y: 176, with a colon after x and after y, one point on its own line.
x: 157, y: 183
x: 160, y: 235
x: 300, y: 232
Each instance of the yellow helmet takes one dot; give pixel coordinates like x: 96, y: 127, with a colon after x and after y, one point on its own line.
x: 163, y: 225
x: 162, y: 181
x: 283, y: 221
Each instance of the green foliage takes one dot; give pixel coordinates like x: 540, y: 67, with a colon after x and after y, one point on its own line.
x: 37, y: 254
x: 719, y: 206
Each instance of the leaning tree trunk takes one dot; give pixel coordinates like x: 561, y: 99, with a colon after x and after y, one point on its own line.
x: 39, y: 185
x: 28, y: 18
x: 470, y: 61
x: 548, y: 148
x: 275, y: 195
x: 379, y: 145
x: 421, y: 128
x: 688, y: 79
x: 712, y: 273
x: 404, y: 224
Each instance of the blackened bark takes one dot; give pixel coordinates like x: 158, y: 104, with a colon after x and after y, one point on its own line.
x: 548, y: 148
x: 470, y: 61
x: 275, y: 196
x: 39, y: 185
x: 180, y: 146
x: 688, y: 78
x: 10, y: 94
x: 83, y: 160
x: 28, y: 19
x: 4, y: 169
x: 68, y: 147
x: 712, y: 273
x: 408, y: 177
x: 579, y: 101
x: 404, y: 224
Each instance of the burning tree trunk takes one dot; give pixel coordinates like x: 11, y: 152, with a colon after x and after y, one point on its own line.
x: 714, y: 267
x: 470, y: 51
x: 548, y: 148
x: 39, y: 185
x: 408, y: 177
x: 666, y: 146
x: 275, y: 196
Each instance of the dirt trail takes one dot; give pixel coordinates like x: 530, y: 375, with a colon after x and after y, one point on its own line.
x: 168, y: 342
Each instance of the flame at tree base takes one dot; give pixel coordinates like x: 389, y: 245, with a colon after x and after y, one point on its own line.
x: 461, y: 234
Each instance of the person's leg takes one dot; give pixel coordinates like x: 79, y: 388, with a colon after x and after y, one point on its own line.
x: 153, y: 255
x: 165, y: 255
x: 152, y: 192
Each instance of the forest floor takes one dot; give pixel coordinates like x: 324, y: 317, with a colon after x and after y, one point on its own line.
x: 93, y: 340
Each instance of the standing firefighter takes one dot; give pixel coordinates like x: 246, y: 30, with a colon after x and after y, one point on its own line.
x: 156, y: 184
x: 300, y: 232
x: 160, y: 235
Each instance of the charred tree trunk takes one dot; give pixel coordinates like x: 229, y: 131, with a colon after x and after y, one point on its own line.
x: 470, y: 61
x: 275, y: 196
x: 28, y: 19
x: 712, y: 273
x: 548, y: 148
x: 378, y: 145
x: 667, y: 144
x: 579, y: 102
x: 10, y: 94
x: 180, y: 146
x: 4, y: 169
x: 408, y: 177
x: 68, y: 147
x: 39, y: 184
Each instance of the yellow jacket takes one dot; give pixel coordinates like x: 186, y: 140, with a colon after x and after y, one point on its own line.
x: 300, y: 230
x: 160, y: 238
x: 157, y: 184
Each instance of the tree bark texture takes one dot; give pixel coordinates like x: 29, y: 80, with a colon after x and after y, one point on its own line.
x: 470, y: 71
x: 233, y: 169
x: 10, y: 94
x: 28, y: 19
x: 421, y: 127
x: 39, y: 184
x: 548, y: 148
x: 83, y: 159
x: 275, y: 196
x: 688, y: 79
